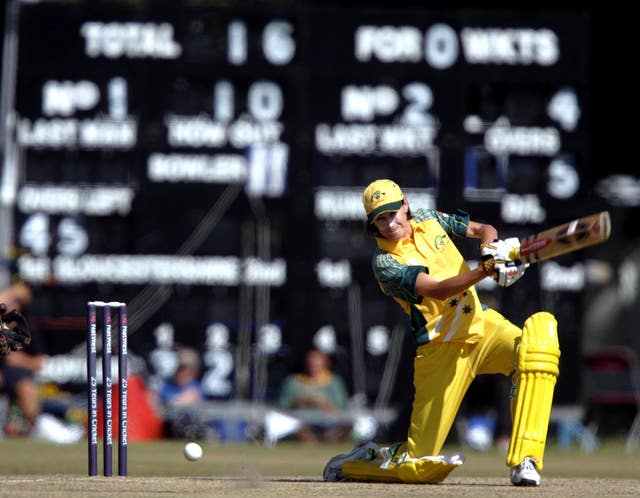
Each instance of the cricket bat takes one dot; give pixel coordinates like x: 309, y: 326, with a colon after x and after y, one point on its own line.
x: 577, y: 234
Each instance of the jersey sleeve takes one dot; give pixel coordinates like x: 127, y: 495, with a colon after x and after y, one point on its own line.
x: 396, y: 279
x: 454, y: 224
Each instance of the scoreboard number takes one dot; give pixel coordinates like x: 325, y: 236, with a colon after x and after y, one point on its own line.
x: 35, y: 235
x: 278, y: 45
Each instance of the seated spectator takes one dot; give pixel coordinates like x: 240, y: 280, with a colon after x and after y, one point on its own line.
x: 184, y: 388
x: 182, y: 391
x: 314, y: 393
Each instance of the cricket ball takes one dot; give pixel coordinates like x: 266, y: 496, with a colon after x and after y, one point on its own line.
x: 192, y: 451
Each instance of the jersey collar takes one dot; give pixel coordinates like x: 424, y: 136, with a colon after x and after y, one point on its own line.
x: 398, y: 246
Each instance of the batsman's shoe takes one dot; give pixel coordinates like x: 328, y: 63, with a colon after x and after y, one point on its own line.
x: 525, y: 474
x: 333, y: 470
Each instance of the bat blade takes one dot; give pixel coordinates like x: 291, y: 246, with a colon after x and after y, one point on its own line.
x: 572, y: 236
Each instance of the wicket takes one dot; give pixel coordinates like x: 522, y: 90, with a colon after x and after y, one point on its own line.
x: 92, y: 387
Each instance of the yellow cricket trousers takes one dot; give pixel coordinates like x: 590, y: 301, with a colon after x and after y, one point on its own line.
x: 443, y: 371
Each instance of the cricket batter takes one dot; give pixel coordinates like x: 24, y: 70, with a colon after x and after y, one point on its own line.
x: 418, y: 265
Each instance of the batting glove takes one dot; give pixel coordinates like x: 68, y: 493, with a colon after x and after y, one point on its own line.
x: 500, y: 250
x: 507, y: 273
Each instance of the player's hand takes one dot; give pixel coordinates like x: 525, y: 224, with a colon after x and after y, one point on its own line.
x: 488, y: 254
x: 497, y: 261
x: 14, y: 331
x: 508, y: 272
x: 487, y: 263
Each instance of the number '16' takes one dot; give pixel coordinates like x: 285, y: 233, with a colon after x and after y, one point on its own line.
x: 278, y: 45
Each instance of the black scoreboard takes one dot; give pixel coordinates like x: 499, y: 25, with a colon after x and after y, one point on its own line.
x: 206, y: 166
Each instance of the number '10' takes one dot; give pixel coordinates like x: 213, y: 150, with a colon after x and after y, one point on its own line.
x: 264, y: 101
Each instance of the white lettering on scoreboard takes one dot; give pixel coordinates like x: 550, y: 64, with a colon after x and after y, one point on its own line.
x: 202, y: 131
x: 66, y: 97
x: 97, y: 133
x: 502, y: 138
x: 101, y: 200
x: 440, y: 46
x: 357, y: 139
x: 334, y: 274
x: 132, y: 40
x: 345, y: 203
x: 175, y: 168
x: 159, y: 269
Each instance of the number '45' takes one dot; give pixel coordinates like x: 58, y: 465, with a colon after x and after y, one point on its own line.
x: 35, y: 235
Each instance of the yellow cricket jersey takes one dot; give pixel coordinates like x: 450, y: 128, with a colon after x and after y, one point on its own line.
x: 397, y: 265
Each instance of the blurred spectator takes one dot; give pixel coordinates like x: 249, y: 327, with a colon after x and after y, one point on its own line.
x: 18, y: 381
x: 184, y: 388
x: 180, y: 395
x: 313, y: 394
